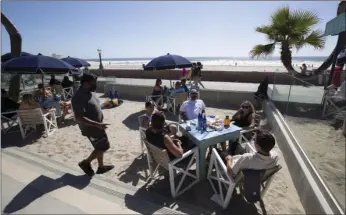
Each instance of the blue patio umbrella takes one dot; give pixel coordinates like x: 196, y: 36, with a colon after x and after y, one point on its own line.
x: 8, y: 56
x: 168, y: 62
x: 76, y: 62
x: 36, y: 64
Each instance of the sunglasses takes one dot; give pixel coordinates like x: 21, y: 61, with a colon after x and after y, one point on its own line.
x: 245, y: 107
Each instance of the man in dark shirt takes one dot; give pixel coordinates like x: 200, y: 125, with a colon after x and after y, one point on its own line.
x: 88, y: 114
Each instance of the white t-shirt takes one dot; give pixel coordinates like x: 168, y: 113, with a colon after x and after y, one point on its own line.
x: 192, y: 108
x: 254, y: 161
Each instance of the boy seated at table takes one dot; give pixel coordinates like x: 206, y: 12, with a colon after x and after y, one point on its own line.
x: 259, y: 160
x: 146, y: 120
x: 191, y: 108
x: 178, y: 89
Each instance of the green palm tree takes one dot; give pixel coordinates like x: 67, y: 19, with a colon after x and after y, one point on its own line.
x: 289, y: 29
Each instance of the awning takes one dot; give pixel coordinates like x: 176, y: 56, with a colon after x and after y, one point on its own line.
x: 336, y: 25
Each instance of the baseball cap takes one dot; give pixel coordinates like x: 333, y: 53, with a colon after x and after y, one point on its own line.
x: 87, y: 77
x: 193, y: 91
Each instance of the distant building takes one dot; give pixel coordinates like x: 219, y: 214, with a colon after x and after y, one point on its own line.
x: 57, y: 56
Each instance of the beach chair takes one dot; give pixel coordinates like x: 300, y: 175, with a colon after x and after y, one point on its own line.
x: 217, y: 173
x: 157, y: 101
x: 67, y: 93
x: 175, y: 101
x: 29, y: 119
x: 181, y: 166
x: 246, y: 142
x: 141, y: 131
x: 8, y: 121
x: 331, y: 107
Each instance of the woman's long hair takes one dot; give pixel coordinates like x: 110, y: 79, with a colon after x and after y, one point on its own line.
x: 251, y: 109
x: 28, y: 99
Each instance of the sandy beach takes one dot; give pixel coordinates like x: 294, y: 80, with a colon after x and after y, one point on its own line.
x: 67, y: 145
x: 325, y: 147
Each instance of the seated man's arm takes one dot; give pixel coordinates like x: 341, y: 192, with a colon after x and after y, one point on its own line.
x: 175, y: 149
x: 237, y: 163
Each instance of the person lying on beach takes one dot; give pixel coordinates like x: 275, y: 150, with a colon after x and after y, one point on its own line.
x: 260, y: 160
x: 89, y: 116
x: 158, y: 135
x: 244, y: 118
x: 191, y: 108
x: 304, y: 70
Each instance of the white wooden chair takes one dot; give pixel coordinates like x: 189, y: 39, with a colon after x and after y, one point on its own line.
x: 226, y: 184
x: 174, y: 101
x: 67, y: 93
x: 247, y: 144
x: 329, y: 102
x: 9, y: 122
x: 28, y: 119
x: 157, y: 100
x: 161, y: 158
x: 141, y: 131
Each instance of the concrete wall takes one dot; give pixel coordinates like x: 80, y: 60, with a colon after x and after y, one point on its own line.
x: 314, y: 194
x: 220, y: 76
x: 210, y: 97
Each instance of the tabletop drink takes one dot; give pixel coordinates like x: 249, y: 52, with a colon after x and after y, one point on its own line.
x: 227, y: 121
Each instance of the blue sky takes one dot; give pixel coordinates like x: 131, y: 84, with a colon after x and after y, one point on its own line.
x: 150, y: 29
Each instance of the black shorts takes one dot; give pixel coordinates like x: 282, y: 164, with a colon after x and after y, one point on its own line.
x: 100, y: 141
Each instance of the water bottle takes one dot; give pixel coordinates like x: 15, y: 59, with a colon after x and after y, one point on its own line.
x: 116, y: 94
x: 204, y: 123
x: 199, y: 121
x: 110, y: 94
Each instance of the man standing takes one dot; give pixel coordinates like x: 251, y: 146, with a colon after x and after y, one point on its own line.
x: 89, y: 116
x: 190, y: 109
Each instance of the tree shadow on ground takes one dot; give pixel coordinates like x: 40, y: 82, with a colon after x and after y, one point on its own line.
x: 43, y: 185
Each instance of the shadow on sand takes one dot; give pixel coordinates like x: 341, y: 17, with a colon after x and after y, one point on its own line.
x: 132, y: 173
x: 43, y: 185
x: 196, y: 200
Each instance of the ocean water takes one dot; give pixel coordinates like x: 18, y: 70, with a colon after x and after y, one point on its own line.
x: 312, y: 62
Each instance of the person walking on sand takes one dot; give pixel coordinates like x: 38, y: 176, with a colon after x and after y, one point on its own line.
x: 89, y: 116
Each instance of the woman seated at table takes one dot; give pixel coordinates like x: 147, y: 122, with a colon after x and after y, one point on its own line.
x: 178, y: 89
x: 183, y: 85
x: 158, y: 135
x: 28, y: 103
x: 158, y: 89
x: 244, y: 118
x: 47, y: 100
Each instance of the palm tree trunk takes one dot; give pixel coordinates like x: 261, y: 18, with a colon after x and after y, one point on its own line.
x: 16, y: 49
x: 286, y: 57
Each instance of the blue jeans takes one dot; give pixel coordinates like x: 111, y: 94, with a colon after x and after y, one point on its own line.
x: 50, y: 102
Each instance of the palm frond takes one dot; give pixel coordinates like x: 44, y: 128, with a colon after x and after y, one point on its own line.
x: 315, y: 39
x: 262, y: 50
x: 268, y: 31
x: 301, y: 21
x: 280, y: 16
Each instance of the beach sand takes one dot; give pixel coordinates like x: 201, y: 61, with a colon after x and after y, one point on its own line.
x: 325, y: 147
x: 67, y: 145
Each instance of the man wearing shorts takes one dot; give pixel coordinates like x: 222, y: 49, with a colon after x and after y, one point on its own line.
x: 89, y: 116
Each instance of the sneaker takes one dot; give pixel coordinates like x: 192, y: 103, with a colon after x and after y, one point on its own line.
x: 104, y: 169
x: 86, y: 167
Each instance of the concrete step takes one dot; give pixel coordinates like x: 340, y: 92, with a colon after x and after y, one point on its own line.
x: 113, y: 190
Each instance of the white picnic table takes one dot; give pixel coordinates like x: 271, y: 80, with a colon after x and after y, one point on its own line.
x: 208, y: 138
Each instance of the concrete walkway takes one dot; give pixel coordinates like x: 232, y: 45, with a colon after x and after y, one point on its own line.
x: 29, y: 191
